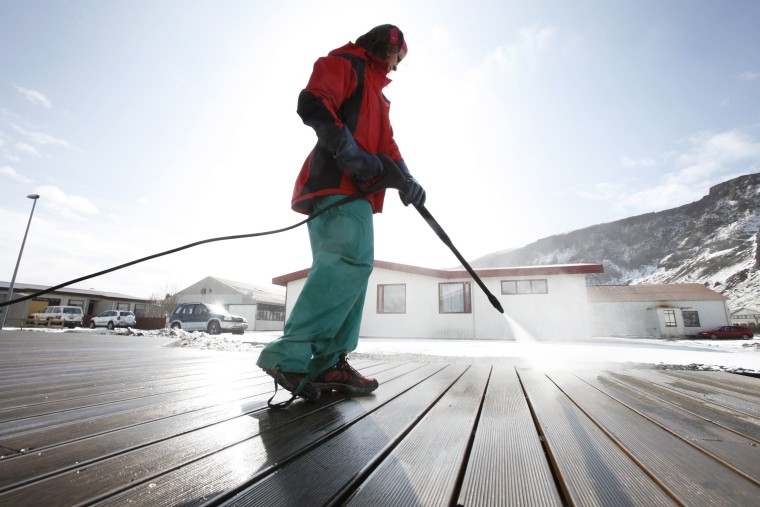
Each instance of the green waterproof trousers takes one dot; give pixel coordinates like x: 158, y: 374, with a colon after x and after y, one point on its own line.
x: 325, y: 320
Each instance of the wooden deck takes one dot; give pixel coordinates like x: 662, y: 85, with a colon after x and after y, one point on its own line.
x: 115, y: 420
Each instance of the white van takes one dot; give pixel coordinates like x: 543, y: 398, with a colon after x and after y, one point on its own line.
x: 71, y: 316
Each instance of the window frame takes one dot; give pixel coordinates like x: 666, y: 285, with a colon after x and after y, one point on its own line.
x: 668, y: 321
x: 267, y: 312
x: 380, y: 307
x: 534, y: 285
x: 466, y: 298
x: 692, y: 320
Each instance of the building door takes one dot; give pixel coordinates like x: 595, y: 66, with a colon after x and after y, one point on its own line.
x: 37, y: 306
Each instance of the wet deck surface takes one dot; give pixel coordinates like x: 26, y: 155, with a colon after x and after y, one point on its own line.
x: 102, y: 419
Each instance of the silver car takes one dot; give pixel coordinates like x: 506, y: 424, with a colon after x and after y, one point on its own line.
x: 213, y: 319
x: 112, y: 319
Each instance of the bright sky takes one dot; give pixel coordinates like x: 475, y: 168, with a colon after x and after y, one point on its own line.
x: 148, y: 125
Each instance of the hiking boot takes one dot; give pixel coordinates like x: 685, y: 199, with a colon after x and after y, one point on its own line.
x: 343, y: 378
x: 290, y: 381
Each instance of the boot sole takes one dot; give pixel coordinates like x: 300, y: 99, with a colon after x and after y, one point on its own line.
x: 283, y: 382
x: 343, y: 388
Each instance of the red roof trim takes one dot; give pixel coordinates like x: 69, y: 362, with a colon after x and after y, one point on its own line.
x: 555, y: 269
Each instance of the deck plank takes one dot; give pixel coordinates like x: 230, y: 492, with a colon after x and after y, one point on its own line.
x: 109, y: 476
x: 507, y: 463
x: 115, y: 420
x: 733, y: 449
x: 684, y: 470
x: 262, y: 467
x: 591, y: 468
x: 424, y: 467
x: 90, y: 381
x: 19, y: 410
x: 702, y: 392
x: 720, y: 381
x: 10, y: 430
x: 77, y: 444
x: 736, y: 421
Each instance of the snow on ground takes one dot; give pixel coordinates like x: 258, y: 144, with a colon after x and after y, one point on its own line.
x: 727, y: 355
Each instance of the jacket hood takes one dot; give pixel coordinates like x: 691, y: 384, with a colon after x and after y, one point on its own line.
x: 378, y: 66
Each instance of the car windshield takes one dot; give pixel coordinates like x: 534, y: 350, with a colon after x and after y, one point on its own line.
x: 217, y: 309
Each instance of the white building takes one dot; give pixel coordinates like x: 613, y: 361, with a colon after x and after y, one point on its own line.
x: 656, y: 311
x: 262, y: 305
x: 403, y: 301
x: 91, y: 301
x: 745, y: 316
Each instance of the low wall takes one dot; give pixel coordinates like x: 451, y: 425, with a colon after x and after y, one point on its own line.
x: 148, y: 323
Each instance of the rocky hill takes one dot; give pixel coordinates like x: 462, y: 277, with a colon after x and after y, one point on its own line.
x: 712, y: 241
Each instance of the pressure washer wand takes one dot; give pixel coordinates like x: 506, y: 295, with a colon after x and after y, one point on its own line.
x: 445, y: 238
x: 394, y: 178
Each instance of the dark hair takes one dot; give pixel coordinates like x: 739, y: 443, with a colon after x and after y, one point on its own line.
x: 378, y: 41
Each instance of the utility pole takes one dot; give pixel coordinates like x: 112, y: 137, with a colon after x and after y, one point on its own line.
x: 7, y: 309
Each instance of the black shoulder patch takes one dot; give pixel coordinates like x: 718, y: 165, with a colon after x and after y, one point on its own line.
x: 349, y: 110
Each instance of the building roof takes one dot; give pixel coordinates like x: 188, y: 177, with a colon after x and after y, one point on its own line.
x: 31, y: 288
x: 554, y: 269
x: 654, y: 292
x: 261, y: 293
x: 746, y: 311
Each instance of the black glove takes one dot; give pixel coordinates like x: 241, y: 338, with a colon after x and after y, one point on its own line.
x: 413, y: 193
x: 361, y: 165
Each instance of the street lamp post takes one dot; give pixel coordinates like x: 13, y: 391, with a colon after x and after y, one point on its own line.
x: 7, y: 309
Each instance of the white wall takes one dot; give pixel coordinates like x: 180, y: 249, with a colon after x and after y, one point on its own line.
x: 646, y: 319
x: 560, y: 314
x: 247, y: 311
x: 623, y: 319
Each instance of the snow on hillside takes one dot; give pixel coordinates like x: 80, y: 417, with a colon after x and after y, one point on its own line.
x: 711, y: 241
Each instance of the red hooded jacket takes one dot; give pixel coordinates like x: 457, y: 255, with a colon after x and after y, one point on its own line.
x: 327, y: 103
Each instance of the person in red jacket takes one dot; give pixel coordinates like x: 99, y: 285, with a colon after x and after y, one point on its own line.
x: 343, y: 102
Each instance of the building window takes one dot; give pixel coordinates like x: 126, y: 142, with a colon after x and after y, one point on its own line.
x: 510, y: 287
x: 391, y: 298
x: 76, y: 302
x: 670, y: 318
x: 270, y: 312
x: 122, y: 306
x: 139, y: 310
x: 454, y: 297
x: 690, y: 318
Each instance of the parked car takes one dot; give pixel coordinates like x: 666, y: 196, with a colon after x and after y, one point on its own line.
x: 112, y: 319
x: 213, y: 319
x: 70, y: 315
x: 733, y: 332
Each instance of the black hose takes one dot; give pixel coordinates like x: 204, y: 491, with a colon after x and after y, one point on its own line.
x: 174, y: 250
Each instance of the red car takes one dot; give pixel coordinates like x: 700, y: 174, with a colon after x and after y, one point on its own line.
x: 734, y: 332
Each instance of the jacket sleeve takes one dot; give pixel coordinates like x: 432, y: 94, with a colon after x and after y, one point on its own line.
x: 332, y: 81
x: 393, y: 151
